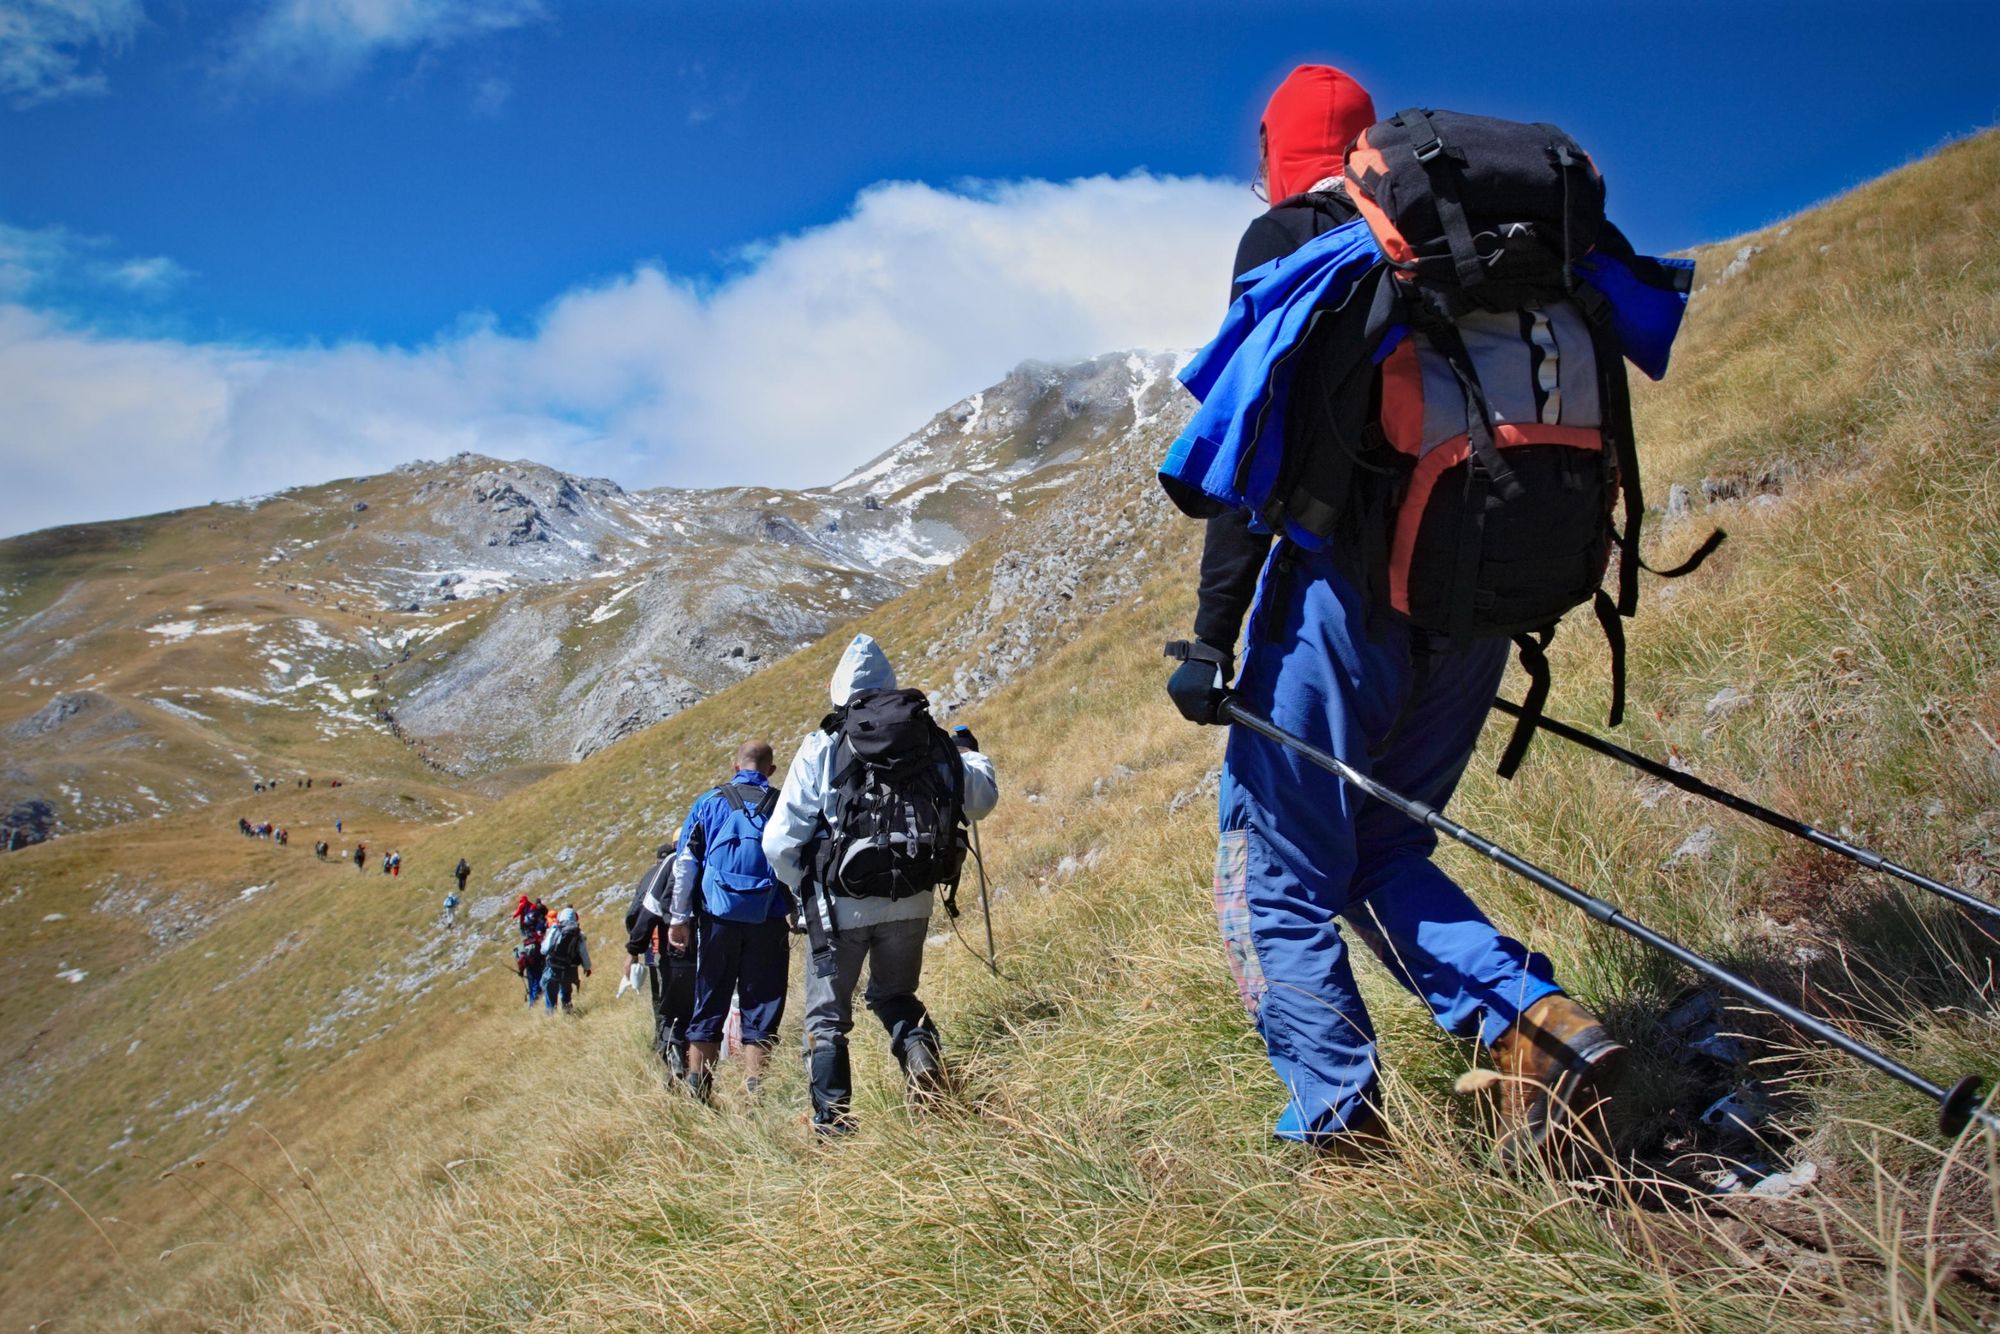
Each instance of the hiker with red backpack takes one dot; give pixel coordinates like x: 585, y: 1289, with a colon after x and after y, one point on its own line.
x: 528, y: 953
x: 872, y: 823
x: 1419, y: 393
x: 728, y: 906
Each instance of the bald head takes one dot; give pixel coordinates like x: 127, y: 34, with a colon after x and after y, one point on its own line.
x: 756, y: 755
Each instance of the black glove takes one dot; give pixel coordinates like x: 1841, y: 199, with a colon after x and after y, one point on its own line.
x: 962, y: 736
x: 1196, y: 686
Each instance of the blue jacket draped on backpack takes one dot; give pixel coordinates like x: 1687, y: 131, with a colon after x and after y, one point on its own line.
x: 1243, y: 377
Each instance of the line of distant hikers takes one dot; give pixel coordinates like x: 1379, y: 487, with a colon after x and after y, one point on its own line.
x: 391, y: 864
x: 872, y: 821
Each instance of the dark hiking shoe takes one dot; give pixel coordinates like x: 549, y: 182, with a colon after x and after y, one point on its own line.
x: 700, y: 1087
x: 1557, y: 1066
x: 677, y: 1062
x: 753, y: 1085
x: 1362, y: 1140
x: 923, y: 1069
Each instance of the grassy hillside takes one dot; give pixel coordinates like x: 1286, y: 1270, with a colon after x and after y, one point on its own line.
x: 447, y: 1160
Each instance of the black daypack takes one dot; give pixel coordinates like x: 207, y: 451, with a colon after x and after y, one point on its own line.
x: 896, y: 824
x: 1483, y: 463
x: 566, y: 954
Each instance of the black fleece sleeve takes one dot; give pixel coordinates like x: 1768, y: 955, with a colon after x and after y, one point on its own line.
x: 1232, y: 556
x: 640, y: 924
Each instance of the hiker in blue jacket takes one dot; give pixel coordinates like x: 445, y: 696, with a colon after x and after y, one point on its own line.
x: 1299, y: 851
x: 743, y: 945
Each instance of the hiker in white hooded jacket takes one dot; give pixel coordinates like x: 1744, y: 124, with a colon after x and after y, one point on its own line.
x: 886, y: 933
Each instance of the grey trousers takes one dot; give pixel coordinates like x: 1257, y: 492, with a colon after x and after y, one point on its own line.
x: 894, y: 952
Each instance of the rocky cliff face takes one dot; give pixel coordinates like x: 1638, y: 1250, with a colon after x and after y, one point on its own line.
x: 471, y: 614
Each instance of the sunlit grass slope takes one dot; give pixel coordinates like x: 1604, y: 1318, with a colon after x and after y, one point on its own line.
x: 1108, y: 1164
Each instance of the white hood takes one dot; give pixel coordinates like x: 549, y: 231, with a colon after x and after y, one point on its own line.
x: 864, y: 666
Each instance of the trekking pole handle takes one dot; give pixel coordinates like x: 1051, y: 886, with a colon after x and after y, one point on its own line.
x: 1874, y: 861
x: 1956, y: 1106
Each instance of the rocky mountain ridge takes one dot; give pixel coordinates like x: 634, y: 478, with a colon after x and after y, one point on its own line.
x: 472, y: 616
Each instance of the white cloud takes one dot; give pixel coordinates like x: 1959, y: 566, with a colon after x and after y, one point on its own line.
x: 822, y: 350
x: 50, y: 264
x: 152, y: 276
x: 326, y: 41
x: 45, y: 45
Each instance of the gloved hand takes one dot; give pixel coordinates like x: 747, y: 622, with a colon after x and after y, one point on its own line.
x: 1196, y: 686
x: 962, y: 735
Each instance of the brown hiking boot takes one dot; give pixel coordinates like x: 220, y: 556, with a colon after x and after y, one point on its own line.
x: 1364, y: 1139
x: 1558, y: 1065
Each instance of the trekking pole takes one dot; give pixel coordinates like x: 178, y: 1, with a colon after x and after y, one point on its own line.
x: 1956, y: 1105
x: 1874, y: 861
x: 985, y: 903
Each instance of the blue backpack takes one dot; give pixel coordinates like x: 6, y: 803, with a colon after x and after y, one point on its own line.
x: 736, y: 880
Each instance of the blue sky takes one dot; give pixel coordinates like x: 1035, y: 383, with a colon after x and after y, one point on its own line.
x: 255, y: 244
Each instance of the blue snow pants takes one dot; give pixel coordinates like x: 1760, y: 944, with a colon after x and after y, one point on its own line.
x: 1300, y: 849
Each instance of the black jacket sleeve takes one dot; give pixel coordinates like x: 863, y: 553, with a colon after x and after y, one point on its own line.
x: 639, y: 923
x: 1232, y: 556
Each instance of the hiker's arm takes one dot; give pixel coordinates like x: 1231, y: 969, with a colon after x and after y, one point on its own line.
x: 792, y: 825
x: 1232, y: 557
x: 982, y: 788
x: 652, y: 909
x: 687, y: 869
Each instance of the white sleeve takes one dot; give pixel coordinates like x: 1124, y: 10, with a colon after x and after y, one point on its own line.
x: 982, y: 789
x: 796, y: 820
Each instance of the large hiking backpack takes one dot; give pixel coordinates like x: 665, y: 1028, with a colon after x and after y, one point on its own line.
x: 565, y: 953
x: 897, y: 821
x: 736, y: 881
x: 1483, y: 467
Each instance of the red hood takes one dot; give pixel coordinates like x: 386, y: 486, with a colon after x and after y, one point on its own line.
x: 1308, y: 124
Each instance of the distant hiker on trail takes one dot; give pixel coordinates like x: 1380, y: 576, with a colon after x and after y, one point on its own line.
x: 319, y: 849
x: 461, y: 871
x: 520, y: 913
x: 396, y: 864
x: 726, y: 903
x: 671, y: 969
x: 564, y: 952
x: 360, y: 856
x: 1449, y: 485
x: 336, y: 822
x: 451, y: 910
x: 877, y: 764
x: 528, y: 957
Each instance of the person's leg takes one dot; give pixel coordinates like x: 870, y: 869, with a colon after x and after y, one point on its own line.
x: 719, y: 960
x: 1432, y: 937
x: 1286, y: 859
x: 832, y: 972
x: 760, y: 992
x: 895, y: 967
x: 677, y: 997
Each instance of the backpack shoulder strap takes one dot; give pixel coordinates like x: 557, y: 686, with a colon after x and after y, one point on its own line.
x: 768, y: 804
x: 733, y: 794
